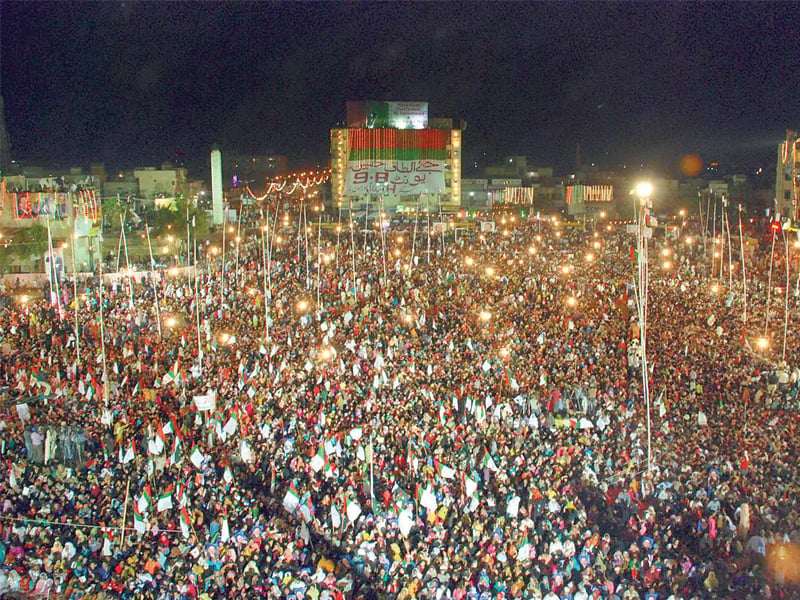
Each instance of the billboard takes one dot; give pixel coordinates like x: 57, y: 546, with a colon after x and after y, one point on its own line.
x: 387, y: 115
x: 396, y: 162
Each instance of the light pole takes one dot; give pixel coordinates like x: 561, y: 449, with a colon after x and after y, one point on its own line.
x: 642, y: 195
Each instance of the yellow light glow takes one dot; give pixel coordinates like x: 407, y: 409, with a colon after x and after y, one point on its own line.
x: 596, y: 245
x: 572, y: 301
x: 302, y: 305
x: 469, y: 261
x: 485, y: 315
x: 714, y: 288
x: 24, y: 298
x: 666, y: 252
x: 689, y: 240
x: 170, y: 322
x: 667, y: 265
x: 532, y: 250
x: 504, y: 352
x: 589, y: 257
x: 644, y: 189
x: 490, y: 271
x: 763, y: 343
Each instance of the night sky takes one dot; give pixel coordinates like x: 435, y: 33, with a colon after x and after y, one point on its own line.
x: 133, y: 83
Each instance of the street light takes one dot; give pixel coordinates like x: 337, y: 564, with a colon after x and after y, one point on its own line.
x: 644, y: 189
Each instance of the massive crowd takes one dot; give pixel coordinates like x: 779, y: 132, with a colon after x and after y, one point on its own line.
x: 466, y: 422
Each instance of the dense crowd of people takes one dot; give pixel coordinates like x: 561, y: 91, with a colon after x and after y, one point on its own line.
x: 392, y: 416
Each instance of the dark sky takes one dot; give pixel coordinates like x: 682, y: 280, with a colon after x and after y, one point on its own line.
x: 131, y: 83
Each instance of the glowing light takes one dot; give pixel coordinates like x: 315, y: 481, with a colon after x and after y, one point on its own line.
x: 325, y: 354
x: 214, y: 250
x: 408, y: 318
x: 225, y: 338
x: 170, y: 322
x: 596, y: 245
x: 469, y: 261
x: 565, y: 269
x: 682, y: 212
x: 589, y: 257
x: 644, y: 189
x: 532, y: 250
x: 24, y: 298
x: 667, y: 265
x: 666, y: 252
x: 572, y: 301
x: 173, y: 271
x: 714, y: 288
x: 504, y: 352
x: 485, y: 315
x: 490, y: 271
x: 689, y: 241
x: 602, y: 214
x: 763, y: 343
x: 302, y: 306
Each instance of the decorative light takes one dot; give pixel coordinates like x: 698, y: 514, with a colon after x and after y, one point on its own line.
x: 572, y: 301
x: 485, y: 315
x: 763, y: 343
x: 490, y: 271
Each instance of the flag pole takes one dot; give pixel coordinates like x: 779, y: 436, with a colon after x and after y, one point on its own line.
x: 266, y: 267
x: 428, y: 212
x: 197, y: 310
x: 383, y: 241
x: 124, y: 514
x: 744, y: 271
x: 103, y: 332
x: 127, y: 260
x: 786, y: 295
x: 414, y: 239
x: 238, y: 241
x: 77, y: 303
x: 352, y: 248
x: 319, y: 257
x: 222, y: 271
x: 153, y: 278
x: 305, y: 239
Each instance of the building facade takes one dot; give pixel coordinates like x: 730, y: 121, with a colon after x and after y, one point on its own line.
x: 392, y: 153
x: 787, y: 177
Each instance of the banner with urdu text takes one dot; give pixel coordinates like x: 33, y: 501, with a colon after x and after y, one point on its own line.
x: 396, y: 161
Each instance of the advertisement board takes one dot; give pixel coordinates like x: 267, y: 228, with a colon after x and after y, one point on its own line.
x: 379, y: 115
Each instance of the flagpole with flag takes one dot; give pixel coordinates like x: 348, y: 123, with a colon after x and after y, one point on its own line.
x: 197, y: 310
x: 127, y: 261
x: 77, y: 301
x: 264, y: 231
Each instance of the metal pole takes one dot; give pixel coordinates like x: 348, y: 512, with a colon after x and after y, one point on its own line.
x: 769, y: 283
x: 352, y: 248
x: 153, y: 279
x: 428, y: 212
x: 77, y: 304
x: 238, y: 241
x: 319, y: 257
x: 103, y: 332
x: 786, y: 296
x: 127, y: 261
x: 197, y: 310
x: 744, y: 271
x: 222, y: 270
x: 414, y: 240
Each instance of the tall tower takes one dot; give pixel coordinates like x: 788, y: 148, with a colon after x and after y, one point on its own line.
x: 217, y: 200
x: 5, y: 156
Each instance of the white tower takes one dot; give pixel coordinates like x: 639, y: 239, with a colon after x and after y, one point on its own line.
x: 216, y: 187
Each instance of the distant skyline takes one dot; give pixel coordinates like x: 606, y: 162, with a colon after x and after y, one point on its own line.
x: 130, y: 83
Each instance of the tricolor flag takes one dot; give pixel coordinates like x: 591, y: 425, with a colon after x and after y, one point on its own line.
x: 318, y: 460
x: 165, y: 500
x: 139, y: 523
x: 524, y: 550
x: 291, y: 500
x: 146, y: 499
x: 173, y: 375
x: 185, y: 522
x: 196, y: 457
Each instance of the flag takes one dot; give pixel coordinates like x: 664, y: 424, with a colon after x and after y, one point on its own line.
x: 93, y: 389
x: 196, y: 457
x: 443, y: 470
x: 246, y: 452
x: 318, y: 460
x: 353, y: 509
x: 185, y: 521
x: 336, y: 517
x: 139, y: 524
x: 136, y: 389
x: 291, y: 500
x: 524, y: 550
x: 175, y: 455
x: 173, y: 374
x: 165, y: 500
x: 146, y: 499
x: 225, y: 533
